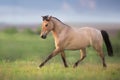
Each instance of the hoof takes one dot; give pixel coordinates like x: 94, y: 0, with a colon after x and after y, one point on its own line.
x: 66, y: 66
x: 75, y: 65
x: 104, y: 65
x: 41, y: 65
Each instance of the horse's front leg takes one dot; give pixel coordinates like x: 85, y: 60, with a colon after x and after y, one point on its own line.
x: 54, y: 53
x: 64, y: 58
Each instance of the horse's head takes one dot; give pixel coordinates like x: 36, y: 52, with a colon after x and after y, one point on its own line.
x: 47, y: 26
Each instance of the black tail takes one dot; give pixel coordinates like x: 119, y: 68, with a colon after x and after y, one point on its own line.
x: 107, y: 42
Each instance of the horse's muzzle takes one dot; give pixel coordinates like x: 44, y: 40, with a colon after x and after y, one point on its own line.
x: 43, y: 36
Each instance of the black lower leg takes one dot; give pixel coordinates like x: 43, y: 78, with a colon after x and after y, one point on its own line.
x: 76, y: 64
x: 49, y: 57
x: 104, y: 64
x: 64, y: 61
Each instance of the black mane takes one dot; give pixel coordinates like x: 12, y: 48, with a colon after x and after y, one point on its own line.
x: 59, y: 21
x: 47, y: 19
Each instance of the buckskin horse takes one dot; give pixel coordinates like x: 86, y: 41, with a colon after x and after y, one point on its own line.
x: 71, y: 38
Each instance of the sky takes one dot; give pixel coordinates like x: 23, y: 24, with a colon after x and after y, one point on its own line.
x: 30, y: 11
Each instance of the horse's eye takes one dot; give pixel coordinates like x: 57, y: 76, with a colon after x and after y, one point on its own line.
x: 46, y: 25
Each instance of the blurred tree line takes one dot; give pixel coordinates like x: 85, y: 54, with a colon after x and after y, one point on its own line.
x: 14, y: 30
x: 114, y: 39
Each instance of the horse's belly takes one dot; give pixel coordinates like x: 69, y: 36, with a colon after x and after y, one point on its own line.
x: 76, y: 46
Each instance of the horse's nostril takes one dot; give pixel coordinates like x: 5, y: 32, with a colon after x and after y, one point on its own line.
x: 43, y: 36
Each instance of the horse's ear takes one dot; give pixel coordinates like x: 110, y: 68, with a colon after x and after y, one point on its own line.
x: 49, y: 18
x: 44, y: 17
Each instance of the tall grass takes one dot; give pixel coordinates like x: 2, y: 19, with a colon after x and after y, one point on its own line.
x: 21, y: 70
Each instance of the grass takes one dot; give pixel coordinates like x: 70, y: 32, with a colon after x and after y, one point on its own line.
x: 22, y: 70
x: 21, y: 54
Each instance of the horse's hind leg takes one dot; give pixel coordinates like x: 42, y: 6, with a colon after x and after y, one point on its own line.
x: 83, y: 55
x: 101, y: 54
x: 64, y: 58
x: 103, y: 58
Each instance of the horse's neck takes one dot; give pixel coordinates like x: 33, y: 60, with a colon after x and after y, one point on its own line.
x: 58, y: 28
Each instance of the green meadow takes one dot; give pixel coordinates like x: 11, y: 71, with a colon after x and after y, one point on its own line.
x: 22, y: 52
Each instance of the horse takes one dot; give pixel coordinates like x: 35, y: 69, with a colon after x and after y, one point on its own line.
x: 72, y: 38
